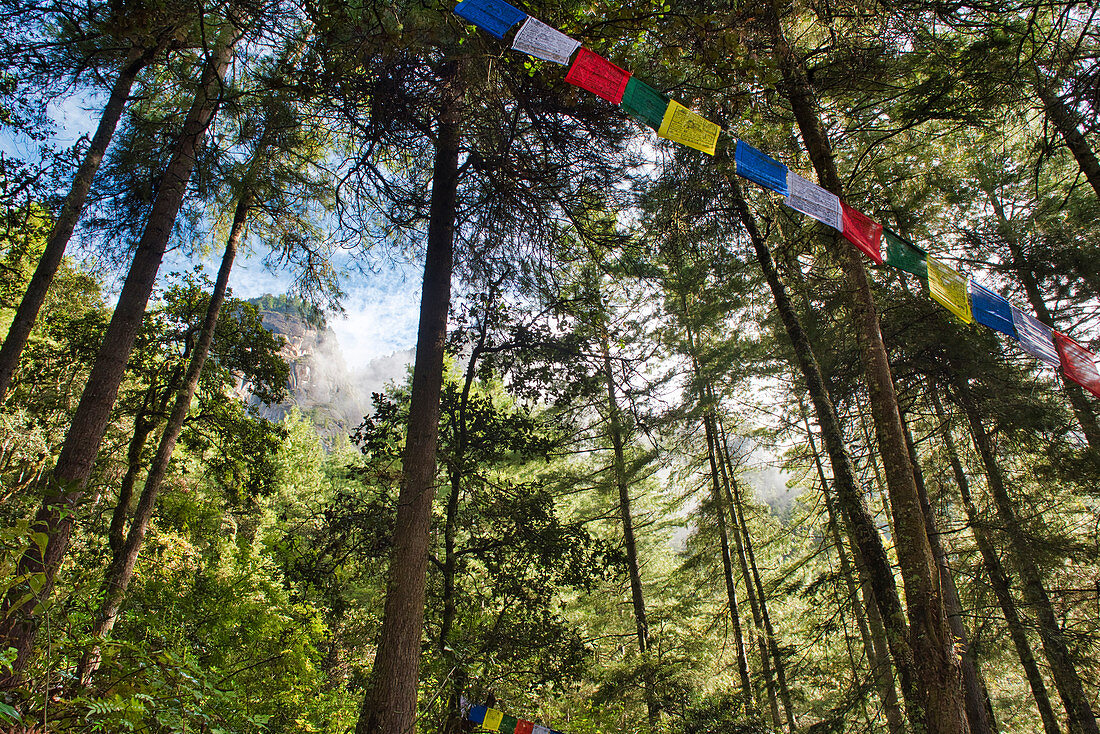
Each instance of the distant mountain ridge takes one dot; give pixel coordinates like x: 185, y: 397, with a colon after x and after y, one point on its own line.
x: 321, y: 385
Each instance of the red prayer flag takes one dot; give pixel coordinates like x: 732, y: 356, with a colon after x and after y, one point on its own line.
x: 862, y: 231
x: 1078, y: 363
x: 524, y: 727
x: 598, y: 75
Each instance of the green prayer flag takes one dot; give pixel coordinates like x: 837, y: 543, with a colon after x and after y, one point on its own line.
x: 508, y: 724
x: 904, y: 255
x: 644, y: 103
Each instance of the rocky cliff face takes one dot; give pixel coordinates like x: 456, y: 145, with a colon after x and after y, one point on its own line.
x: 321, y: 385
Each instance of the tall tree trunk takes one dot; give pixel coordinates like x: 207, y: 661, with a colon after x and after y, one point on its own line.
x: 1020, y: 264
x: 389, y: 705
x: 937, y: 666
x: 1062, y: 667
x: 862, y: 527
x: 737, y: 512
x: 770, y: 683
x: 622, y: 485
x: 1068, y: 124
x: 144, y: 424
x: 979, y: 709
x: 867, y: 617
x: 456, y: 474
x: 714, y: 458
x: 998, y: 578
x: 55, y: 518
x: 727, y: 573
x: 35, y: 295
x: 124, y: 559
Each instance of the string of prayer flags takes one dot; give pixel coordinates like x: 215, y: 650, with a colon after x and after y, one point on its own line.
x: 598, y: 75
x: 1036, y: 338
x: 544, y: 42
x: 967, y: 299
x: 644, y: 103
x: 862, y: 231
x: 948, y: 287
x: 495, y: 16
x: 1078, y: 363
x: 760, y: 168
x: 904, y: 255
x: 488, y: 719
x: 681, y: 125
x: 807, y: 197
x: 991, y: 309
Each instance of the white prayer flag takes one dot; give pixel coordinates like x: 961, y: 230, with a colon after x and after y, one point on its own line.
x: 544, y: 42
x: 1036, y: 338
x: 813, y: 201
x: 540, y: 729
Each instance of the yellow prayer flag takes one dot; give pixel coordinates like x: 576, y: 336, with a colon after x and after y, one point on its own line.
x: 492, y: 719
x: 949, y: 288
x: 681, y: 125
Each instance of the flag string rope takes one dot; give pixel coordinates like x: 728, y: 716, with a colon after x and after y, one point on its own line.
x: 966, y: 298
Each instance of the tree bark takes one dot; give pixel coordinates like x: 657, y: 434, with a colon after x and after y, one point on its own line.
x: 979, y: 708
x: 867, y: 540
x: 937, y: 666
x: 868, y: 619
x: 121, y: 570
x: 389, y: 705
x: 55, y: 518
x: 1062, y: 667
x: 998, y: 579
x: 62, y: 231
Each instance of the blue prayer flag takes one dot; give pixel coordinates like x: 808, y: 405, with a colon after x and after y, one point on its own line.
x: 761, y: 168
x: 992, y: 310
x: 495, y: 16
x: 477, y: 714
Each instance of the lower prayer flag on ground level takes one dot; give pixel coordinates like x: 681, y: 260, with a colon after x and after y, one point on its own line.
x: 1078, y: 363
x: 508, y: 724
x: 544, y: 42
x: 807, y: 197
x: 644, y: 103
x: 495, y: 16
x: 949, y: 288
x: 904, y: 255
x: 492, y: 720
x: 760, y: 168
x: 991, y: 309
x: 862, y: 231
x: 525, y: 727
x: 598, y: 75
x: 1036, y: 338
x: 477, y: 714
x: 683, y: 126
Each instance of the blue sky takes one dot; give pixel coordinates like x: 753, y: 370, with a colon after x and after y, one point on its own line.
x: 381, y: 308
